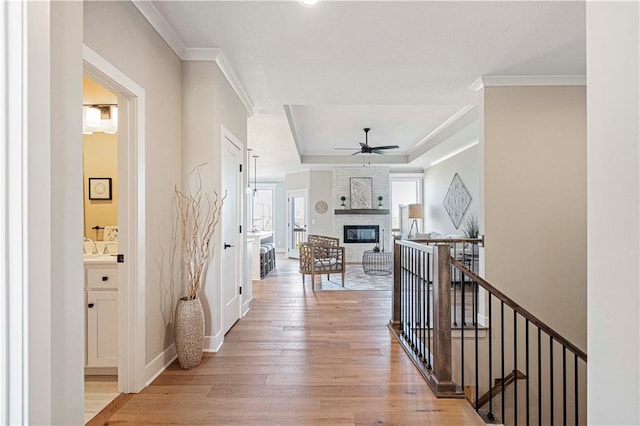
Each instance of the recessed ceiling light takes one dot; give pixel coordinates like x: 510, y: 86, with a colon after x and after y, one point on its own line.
x: 308, y: 3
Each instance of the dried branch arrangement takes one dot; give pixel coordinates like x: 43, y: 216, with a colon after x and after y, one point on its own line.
x: 199, y: 215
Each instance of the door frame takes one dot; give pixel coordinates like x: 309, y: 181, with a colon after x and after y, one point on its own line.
x: 228, y: 137
x: 132, y: 372
x: 306, y: 215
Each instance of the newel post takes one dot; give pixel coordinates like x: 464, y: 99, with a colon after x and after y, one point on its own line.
x: 395, y: 297
x: 441, y: 378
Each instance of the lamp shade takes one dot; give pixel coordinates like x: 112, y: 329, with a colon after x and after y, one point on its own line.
x: 415, y: 211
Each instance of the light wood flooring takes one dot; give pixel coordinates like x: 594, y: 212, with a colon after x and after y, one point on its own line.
x: 99, y: 391
x: 300, y: 357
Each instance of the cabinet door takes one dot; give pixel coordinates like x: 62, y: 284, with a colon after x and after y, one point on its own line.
x: 102, y: 328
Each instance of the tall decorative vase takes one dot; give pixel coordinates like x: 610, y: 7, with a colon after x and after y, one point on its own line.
x: 188, y: 332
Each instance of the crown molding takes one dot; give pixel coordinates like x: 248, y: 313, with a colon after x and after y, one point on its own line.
x: 528, y: 80
x: 452, y: 125
x: 157, y: 21
x: 162, y: 27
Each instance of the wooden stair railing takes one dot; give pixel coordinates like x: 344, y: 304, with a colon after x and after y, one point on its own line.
x: 552, y: 369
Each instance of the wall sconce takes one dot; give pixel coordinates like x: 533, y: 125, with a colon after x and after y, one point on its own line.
x: 99, y: 118
x: 415, y: 213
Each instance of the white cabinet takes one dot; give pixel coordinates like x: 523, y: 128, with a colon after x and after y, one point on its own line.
x: 102, y: 328
x: 101, y: 304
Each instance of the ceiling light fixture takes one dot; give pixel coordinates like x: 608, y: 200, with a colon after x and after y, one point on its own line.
x: 308, y: 3
x: 99, y: 118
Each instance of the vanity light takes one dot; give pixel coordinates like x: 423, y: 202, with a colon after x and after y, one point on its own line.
x: 99, y: 118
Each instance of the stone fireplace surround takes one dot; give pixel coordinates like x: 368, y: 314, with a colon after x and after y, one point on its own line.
x: 380, y: 186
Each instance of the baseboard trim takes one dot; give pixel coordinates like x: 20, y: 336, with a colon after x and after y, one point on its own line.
x: 159, y: 364
x: 213, y: 343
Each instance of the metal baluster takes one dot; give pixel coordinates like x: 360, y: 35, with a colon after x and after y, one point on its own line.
x: 476, y: 352
x: 515, y: 367
x: 490, y: 413
x: 429, y: 310
x: 462, y: 319
x: 526, y: 368
x: 539, y: 377
x: 564, y: 385
x: 423, y: 310
x: 575, y: 388
x: 455, y: 294
x: 551, y: 379
x: 502, y: 354
x: 412, y: 312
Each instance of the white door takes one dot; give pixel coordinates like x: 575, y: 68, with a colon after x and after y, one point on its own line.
x: 230, y: 221
x: 297, y: 216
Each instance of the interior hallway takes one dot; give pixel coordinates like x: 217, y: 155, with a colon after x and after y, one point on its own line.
x: 300, y: 357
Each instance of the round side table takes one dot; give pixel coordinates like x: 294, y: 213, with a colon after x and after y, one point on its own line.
x: 377, y: 262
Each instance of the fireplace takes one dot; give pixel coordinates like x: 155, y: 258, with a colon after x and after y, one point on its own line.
x: 361, y: 233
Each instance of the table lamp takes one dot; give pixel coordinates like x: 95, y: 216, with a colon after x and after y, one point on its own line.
x: 415, y: 213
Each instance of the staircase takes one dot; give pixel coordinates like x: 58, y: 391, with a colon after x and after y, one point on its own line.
x: 517, y: 370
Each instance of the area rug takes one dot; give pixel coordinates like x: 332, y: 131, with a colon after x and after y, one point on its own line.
x: 355, y: 278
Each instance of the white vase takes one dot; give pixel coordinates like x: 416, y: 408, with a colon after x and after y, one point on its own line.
x: 188, y: 332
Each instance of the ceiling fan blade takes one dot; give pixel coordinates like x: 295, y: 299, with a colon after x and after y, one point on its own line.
x: 385, y: 147
x: 356, y: 153
x: 364, y: 145
x: 375, y: 151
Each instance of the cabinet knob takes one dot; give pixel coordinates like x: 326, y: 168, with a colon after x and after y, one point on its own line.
x: 90, y: 305
x: 105, y: 278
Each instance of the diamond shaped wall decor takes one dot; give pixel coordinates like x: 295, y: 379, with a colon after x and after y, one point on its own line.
x: 457, y: 201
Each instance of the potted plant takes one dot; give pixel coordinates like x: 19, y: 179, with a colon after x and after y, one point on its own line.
x: 343, y: 198
x: 380, y: 201
x: 199, y: 214
x: 472, y: 226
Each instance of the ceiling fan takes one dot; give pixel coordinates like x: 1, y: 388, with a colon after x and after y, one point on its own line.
x: 365, y: 148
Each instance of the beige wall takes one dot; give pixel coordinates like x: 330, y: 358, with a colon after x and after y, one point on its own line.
x: 613, y: 67
x: 209, y: 103
x: 535, y: 201
x: 123, y: 37
x: 100, y: 159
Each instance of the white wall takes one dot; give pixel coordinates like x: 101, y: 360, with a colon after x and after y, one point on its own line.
x: 436, y: 184
x: 613, y: 135
x: 534, y: 143
x: 109, y: 29
x: 342, y: 187
x: 67, y: 298
x: 280, y: 217
x: 208, y: 103
x: 321, y: 190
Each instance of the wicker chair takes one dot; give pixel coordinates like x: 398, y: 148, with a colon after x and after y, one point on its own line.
x: 321, y: 239
x: 320, y: 258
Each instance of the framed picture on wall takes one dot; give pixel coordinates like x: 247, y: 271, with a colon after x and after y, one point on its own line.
x: 360, y: 193
x: 99, y: 188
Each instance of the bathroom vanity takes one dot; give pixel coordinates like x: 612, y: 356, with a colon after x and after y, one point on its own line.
x: 101, y: 298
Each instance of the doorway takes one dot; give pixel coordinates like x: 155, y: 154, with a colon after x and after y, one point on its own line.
x: 231, y: 231
x: 297, y: 216
x: 130, y: 275
x: 100, y: 247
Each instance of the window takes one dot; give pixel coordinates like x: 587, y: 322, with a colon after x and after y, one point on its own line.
x: 404, y: 190
x: 263, y: 209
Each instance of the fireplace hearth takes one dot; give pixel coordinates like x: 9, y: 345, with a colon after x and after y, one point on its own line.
x: 361, y: 234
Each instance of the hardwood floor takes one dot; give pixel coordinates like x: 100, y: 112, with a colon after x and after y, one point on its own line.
x: 99, y: 391
x: 300, y: 357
